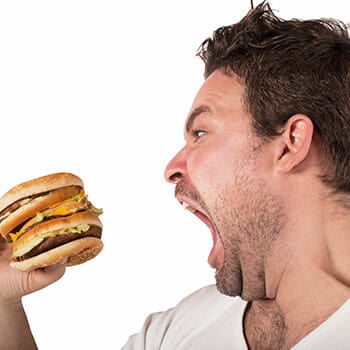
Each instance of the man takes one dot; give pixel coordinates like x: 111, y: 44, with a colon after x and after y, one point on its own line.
x: 266, y: 165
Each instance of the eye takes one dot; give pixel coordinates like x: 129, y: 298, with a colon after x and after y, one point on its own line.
x: 197, y: 134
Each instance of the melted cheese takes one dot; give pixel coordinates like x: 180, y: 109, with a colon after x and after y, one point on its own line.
x: 63, y: 208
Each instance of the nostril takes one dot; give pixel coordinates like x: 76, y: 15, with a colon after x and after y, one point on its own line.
x: 175, y: 177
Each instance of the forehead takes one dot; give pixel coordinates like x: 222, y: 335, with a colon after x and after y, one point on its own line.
x: 220, y: 91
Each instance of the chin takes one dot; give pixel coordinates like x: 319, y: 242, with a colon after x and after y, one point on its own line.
x: 233, y: 285
x: 229, y: 283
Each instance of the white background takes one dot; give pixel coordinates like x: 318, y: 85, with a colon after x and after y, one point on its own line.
x: 101, y: 89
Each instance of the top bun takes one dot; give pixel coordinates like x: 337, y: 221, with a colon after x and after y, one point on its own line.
x: 37, y: 186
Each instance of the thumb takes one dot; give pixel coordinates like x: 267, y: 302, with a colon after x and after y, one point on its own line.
x: 43, y: 277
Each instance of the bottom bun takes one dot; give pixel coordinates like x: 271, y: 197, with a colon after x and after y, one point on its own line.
x: 76, y: 252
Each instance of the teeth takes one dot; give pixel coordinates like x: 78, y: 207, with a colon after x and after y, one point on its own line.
x: 188, y: 207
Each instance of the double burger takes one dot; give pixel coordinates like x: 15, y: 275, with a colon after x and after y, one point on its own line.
x: 48, y: 219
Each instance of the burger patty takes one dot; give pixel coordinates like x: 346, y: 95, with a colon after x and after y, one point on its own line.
x: 53, y: 242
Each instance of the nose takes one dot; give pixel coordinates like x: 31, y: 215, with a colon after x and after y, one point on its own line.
x: 176, y: 169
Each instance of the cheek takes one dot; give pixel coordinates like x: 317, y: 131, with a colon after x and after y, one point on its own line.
x: 211, y: 169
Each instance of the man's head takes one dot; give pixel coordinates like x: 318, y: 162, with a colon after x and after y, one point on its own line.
x: 290, y: 67
x: 270, y: 118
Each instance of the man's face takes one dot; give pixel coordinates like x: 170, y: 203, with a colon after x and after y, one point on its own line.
x: 219, y: 177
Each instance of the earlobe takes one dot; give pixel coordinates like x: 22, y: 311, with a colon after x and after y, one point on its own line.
x: 295, y: 142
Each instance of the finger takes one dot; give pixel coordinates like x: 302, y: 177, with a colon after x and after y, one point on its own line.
x: 45, y: 276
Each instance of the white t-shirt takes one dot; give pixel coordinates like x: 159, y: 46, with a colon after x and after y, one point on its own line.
x: 208, y: 320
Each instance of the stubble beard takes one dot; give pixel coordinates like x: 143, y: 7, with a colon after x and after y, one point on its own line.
x: 248, y: 221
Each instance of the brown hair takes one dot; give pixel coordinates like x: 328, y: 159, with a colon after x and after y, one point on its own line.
x: 289, y: 67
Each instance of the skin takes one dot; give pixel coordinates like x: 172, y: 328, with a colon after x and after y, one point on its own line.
x: 292, y: 267
x: 15, y: 331
x: 226, y: 139
x: 281, y: 237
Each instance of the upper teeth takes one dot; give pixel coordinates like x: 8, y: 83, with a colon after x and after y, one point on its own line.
x: 188, y: 207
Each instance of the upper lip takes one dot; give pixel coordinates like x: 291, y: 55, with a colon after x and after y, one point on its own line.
x: 195, y: 209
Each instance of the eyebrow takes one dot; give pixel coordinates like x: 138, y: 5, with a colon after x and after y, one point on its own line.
x: 194, y: 114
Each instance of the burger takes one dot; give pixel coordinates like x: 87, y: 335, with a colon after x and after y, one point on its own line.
x: 48, y: 219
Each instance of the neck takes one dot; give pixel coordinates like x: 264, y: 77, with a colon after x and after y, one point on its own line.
x: 279, y: 324
x: 313, y: 280
x: 264, y: 326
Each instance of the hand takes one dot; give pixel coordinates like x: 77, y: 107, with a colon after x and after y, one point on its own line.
x: 15, y: 284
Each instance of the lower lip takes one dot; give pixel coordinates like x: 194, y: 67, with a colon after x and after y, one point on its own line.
x: 216, y: 255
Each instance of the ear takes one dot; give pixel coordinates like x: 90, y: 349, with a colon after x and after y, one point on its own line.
x: 295, y: 142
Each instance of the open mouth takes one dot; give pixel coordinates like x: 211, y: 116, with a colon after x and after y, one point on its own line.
x: 215, y: 258
x: 203, y: 217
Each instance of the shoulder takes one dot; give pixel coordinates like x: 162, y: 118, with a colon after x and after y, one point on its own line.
x: 193, y: 320
x: 209, y: 304
x: 208, y: 295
